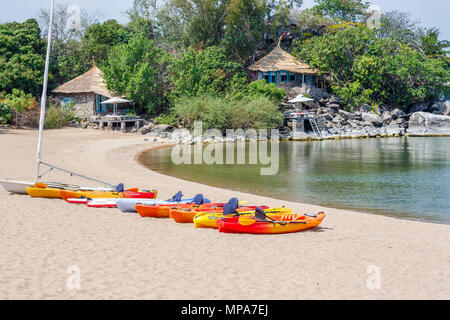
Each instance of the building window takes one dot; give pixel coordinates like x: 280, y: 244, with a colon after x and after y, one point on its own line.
x: 284, y: 76
x: 99, y: 107
x: 67, y: 102
x: 292, y: 77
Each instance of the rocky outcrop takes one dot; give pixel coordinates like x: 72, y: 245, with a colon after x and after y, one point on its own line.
x: 373, y: 118
x: 425, y: 124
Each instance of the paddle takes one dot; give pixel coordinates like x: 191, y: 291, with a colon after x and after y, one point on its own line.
x: 261, y: 216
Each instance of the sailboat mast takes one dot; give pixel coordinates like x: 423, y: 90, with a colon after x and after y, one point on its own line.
x: 44, y: 92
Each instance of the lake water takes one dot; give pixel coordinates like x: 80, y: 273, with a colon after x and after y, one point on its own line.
x: 403, y: 177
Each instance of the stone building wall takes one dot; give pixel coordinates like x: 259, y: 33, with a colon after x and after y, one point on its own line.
x: 84, y: 104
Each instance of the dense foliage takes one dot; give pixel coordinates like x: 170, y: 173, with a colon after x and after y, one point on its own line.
x: 176, y: 56
x: 138, y: 70
x: 21, y: 56
x: 365, y: 68
x: 221, y: 113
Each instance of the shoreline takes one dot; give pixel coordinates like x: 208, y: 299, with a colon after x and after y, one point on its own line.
x: 124, y: 256
x: 323, y: 205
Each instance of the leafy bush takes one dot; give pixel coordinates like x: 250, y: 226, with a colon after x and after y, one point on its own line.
x: 19, y: 101
x: 169, y: 119
x: 5, y: 113
x: 259, y: 113
x: 58, y: 117
x: 260, y: 88
x: 221, y: 113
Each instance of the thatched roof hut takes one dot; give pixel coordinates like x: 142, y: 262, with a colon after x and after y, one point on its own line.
x: 278, y: 60
x: 86, y: 94
x: 284, y: 70
x: 89, y: 82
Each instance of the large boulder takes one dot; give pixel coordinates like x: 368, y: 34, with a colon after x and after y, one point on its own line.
x: 315, y: 93
x: 393, y: 129
x: 424, y: 123
x: 373, y: 118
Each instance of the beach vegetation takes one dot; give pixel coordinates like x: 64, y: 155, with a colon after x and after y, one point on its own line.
x: 18, y: 101
x: 222, y: 113
x: 5, y: 112
x: 57, y: 117
x: 166, y: 118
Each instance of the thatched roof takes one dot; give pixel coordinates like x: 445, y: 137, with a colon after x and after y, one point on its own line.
x: 278, y: 59
x: 89, y: 82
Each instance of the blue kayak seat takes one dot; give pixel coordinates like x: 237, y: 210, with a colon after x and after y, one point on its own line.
x: 260, y: 214
x: 206, y: 200
x: 120, y: 187
x: 177, y: 196
x: 231, y: 206
x: 198, y: 199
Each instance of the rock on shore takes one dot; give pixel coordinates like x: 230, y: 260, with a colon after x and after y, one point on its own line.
x: 424, y: 123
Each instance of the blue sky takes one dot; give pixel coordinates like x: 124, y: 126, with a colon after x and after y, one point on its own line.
x: 431, y: 13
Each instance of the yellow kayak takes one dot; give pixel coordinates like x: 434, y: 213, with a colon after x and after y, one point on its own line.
x: 44, y: 192
x: 209, y: 219
x: 130, y: 193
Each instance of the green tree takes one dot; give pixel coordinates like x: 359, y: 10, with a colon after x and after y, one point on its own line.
x: 100, y: 38
x: 343, y: 10
x: 245, y: 27
x: 142, y: 15
x: 138, y: 70
x: 431, y: 45
x: 367, y: 68
x: 205, y: 71
x: 21, y: 56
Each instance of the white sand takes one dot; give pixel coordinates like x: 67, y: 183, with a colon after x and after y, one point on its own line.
x: 123, y: 256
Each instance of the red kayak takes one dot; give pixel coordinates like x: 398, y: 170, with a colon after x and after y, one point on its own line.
x: 276, y: 223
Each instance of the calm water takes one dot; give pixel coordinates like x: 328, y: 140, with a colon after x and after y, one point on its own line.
x: 403, y: 177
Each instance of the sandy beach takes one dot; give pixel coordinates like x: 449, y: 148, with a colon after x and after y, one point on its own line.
x: 123, y: 256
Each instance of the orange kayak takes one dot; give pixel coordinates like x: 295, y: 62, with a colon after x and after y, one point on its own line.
x: 163, y: 210
x: 130, y: 193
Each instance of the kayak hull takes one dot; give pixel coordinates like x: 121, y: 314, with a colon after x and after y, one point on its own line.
x: 158, y: 211
x: 102, y: 204
x: 163, y: 210
x: 209, y: 219
x: 45, y: 192
x: 106, y: 194
x: 283, y: 224
x: 128, y: 204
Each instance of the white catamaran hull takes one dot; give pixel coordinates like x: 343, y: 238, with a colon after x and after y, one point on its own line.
x: 16, y: 186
